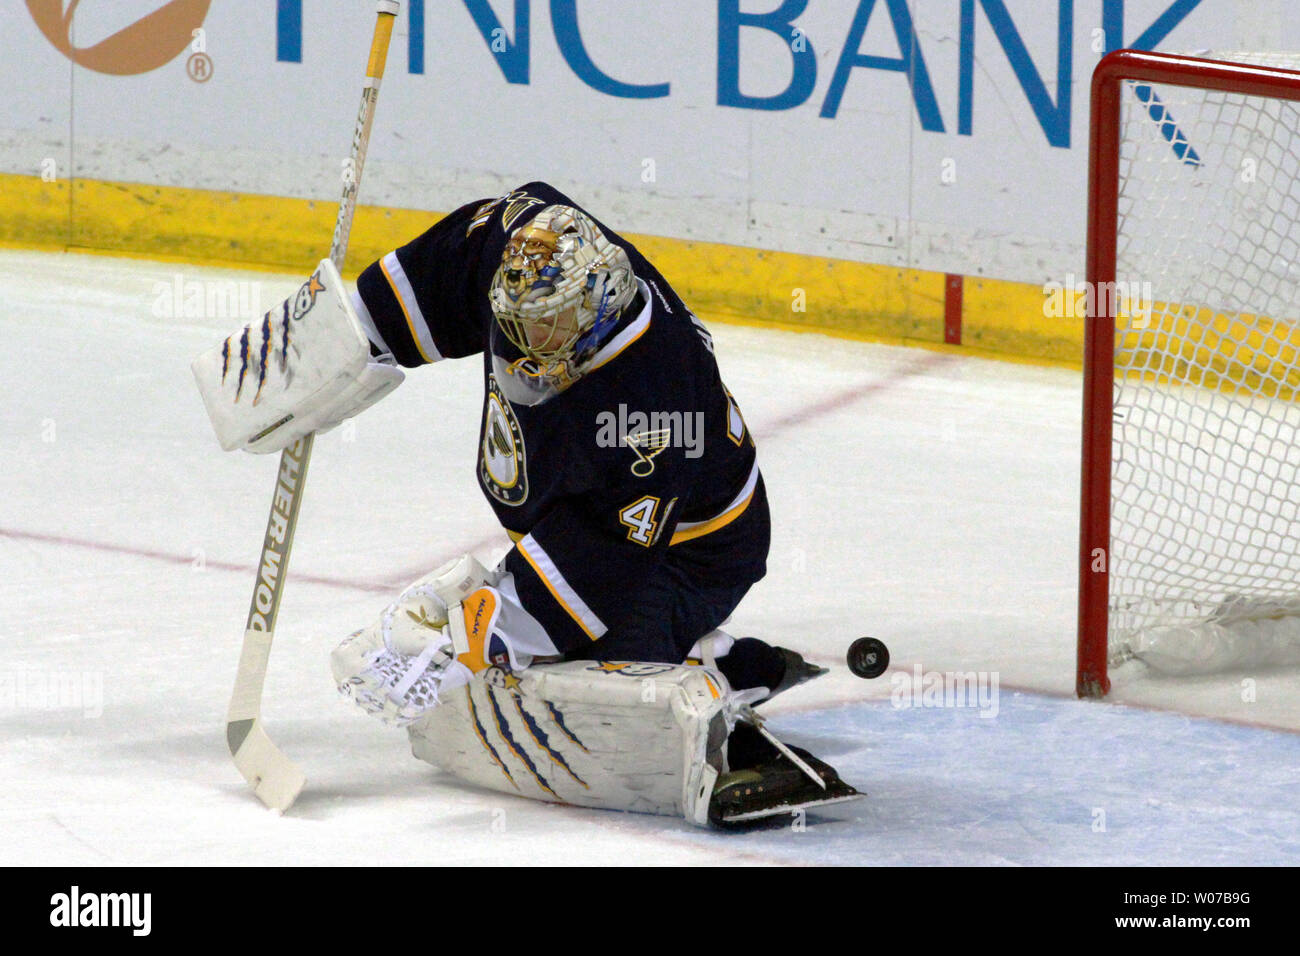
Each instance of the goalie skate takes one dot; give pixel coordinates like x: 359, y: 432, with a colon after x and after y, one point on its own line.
x: 765, y: 794
x: 797, y: 671
x: 763, y: 669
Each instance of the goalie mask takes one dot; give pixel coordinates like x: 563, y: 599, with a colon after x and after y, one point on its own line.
x: 558, y: 293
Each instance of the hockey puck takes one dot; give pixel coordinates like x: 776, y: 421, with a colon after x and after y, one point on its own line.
x: 868, y: 657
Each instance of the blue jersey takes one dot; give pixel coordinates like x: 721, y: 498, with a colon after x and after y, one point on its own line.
x: 644, y: 459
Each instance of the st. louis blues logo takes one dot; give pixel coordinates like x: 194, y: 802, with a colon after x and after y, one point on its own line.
x: 503, y: 461
x: 647, y: 445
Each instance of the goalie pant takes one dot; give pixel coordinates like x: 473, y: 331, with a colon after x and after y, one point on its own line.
x: 648, y: 738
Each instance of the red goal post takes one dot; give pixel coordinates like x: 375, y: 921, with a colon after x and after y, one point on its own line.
x: 1104, y: 193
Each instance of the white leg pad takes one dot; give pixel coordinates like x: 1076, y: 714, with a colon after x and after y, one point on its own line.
x: 649, y: 738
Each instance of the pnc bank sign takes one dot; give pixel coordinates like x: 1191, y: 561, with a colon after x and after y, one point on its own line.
x: 826, y: 67
x: 136, y: 47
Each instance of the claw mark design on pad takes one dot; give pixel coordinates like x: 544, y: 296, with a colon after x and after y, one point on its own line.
x: 504, y: 729
x: 482, y: 738
x: 266, y: 348
x: 243, y: 362
x: 559, y: 722
x: 543, y: 741
x: 284, y: 342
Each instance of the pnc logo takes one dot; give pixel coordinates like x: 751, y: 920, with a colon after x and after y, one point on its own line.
x: 138, y: 47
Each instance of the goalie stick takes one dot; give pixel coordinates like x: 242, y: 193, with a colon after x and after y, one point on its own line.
x: 275, y: 778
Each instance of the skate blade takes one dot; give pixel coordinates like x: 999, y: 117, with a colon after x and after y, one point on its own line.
x: 788, y: 808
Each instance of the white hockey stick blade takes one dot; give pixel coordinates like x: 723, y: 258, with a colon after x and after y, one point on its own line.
x: 275, y: 778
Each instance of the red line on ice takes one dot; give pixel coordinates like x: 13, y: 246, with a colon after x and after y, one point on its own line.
x: 832, y: 403
x: 852, y: 394
x: 183, y: 559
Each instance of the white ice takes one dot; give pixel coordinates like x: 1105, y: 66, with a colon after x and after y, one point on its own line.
x: 926, y: 498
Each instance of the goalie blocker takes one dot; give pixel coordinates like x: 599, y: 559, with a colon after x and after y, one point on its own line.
x: 305, y: 367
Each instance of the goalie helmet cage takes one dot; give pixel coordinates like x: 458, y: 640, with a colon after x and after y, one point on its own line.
x: 1191, y: 427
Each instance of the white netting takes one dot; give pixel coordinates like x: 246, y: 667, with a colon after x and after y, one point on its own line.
x: 1205, y: 546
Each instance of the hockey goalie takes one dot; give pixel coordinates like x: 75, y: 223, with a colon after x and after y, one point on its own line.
x: 588, y: 666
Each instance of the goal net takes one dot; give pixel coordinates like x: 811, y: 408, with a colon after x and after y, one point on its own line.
x: 1192, y: 379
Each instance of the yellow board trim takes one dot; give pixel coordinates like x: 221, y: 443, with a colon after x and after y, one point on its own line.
x: 175, y: 223
x: 1236, y: 353
x: 733, y: 284
x: 1008, y: 317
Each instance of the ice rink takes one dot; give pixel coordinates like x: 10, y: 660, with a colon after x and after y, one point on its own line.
x: 926, y: 498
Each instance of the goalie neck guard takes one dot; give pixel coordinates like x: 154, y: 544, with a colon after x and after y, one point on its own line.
x: 558, y: 293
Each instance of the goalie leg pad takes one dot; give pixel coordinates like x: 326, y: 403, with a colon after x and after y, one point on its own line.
x: 649, y: 738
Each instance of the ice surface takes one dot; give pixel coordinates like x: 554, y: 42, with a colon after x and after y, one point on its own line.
x: 926, y: 498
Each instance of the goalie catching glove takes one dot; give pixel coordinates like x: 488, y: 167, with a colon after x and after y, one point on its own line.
x: 444, y: 629
x: 304, y: 367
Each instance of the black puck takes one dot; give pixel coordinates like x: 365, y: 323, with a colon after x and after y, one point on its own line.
x: 868, y: 657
